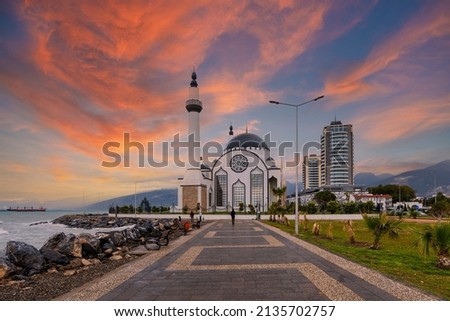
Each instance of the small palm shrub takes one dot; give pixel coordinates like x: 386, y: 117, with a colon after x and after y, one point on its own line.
x: 381, y: 225
x: 436, y: 237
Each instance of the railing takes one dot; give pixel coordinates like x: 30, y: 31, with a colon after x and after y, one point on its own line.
x: 193, y: 102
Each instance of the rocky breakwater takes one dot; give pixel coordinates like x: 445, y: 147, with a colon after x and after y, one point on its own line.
x: 70, y: 253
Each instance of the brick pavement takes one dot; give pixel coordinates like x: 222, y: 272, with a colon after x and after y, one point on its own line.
x: 251, y: 261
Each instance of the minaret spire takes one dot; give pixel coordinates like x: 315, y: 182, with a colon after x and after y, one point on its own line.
x: 194, y: 78
x: 231, y: 130
x: 194, y: 107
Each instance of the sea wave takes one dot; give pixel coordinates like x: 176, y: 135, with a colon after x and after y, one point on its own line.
x: 2, y: 231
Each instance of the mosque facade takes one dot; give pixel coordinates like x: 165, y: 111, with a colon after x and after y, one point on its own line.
x: 243, y: 177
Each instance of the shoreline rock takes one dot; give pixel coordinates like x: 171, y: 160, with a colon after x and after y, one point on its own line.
x: 65, y: 252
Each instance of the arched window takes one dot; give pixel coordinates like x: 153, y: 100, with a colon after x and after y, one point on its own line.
x: 221, y: 187
x: 257, y: 187
x: 238, y: 193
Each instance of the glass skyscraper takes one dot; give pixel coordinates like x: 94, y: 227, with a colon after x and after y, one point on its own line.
x: 336, y: 155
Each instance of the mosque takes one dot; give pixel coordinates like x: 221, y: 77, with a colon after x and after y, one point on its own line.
x: 242, y: 177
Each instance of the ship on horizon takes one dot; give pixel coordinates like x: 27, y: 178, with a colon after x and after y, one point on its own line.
x: 26, y: 209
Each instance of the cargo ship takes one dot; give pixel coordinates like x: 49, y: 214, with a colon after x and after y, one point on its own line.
x: 26, y: 209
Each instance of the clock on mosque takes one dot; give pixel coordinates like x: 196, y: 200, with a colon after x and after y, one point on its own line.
x: 239, y: 163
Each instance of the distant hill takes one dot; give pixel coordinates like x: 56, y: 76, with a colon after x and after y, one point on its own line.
x: 290, y: 187
x: 422, y: 180
x: 164, y: 197
x: 368, y: 179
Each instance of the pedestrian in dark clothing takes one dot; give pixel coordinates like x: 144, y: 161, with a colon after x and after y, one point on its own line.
x: 192, y: 217
x: 233, y: 215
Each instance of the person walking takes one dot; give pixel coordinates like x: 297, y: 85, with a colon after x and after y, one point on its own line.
x: 233, y: 215
x: 192, y: 217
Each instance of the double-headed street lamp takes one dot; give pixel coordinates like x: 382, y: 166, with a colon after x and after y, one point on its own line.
x: 296, y: 150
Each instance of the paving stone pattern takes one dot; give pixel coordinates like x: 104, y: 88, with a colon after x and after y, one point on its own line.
x: 251, y: 261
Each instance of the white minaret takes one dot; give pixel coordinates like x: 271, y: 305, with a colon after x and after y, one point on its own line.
x: 194, y: 107
x: 192, y: 188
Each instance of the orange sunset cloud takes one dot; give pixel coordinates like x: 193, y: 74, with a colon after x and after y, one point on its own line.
x: 75, y: 75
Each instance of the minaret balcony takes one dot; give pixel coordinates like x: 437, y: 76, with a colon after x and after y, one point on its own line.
x: 193, y: 102
x: 194, y: 105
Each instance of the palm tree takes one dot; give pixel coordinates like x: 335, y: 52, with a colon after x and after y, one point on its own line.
x: 279, y: 192
x: 438, y: 238
x: 381, y: 225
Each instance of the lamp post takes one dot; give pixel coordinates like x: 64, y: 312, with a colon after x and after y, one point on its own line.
x: 135, y: 200
x: 296, y: 150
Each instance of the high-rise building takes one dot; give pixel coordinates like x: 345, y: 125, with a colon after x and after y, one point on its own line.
x: 336, y: 155
x: 311, y: 171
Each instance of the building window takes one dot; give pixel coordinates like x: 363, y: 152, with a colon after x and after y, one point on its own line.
x: 257, y: 187
x: 221, y: 188
x: 238, y: 194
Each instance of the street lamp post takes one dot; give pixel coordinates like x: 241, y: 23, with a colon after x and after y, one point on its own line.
x: 296, y: 150
x: 135, y: 200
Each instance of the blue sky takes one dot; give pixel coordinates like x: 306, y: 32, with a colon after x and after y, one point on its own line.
x: 76, y: 75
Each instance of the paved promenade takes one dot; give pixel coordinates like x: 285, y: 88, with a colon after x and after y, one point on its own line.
x: 247, y: 261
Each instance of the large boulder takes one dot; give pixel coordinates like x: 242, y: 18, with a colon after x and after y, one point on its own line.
x: 54, y: 240
x: 52, y: 256
x: 118, y: 238
x: 90, y: 245
x: 6, y: 268
x: 68, y: 245
x: 25, y: 256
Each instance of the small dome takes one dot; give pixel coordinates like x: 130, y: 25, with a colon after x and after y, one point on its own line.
x: 247, y: 140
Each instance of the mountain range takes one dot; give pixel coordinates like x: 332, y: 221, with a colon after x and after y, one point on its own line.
x: 161, y: 197
x: 421, y: 180
x: 426, y: 181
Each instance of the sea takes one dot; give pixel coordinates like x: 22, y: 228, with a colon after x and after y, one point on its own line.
x: 34, y: 228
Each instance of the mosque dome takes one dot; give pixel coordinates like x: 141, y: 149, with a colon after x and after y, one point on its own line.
x: 247, y: 140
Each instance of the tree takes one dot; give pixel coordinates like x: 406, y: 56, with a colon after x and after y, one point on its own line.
x: 279, y: 192
x: 413, y: 212
x: 381, y: 225
x: 440, y: 209
x: 407, y: 193
x: 350, y: 208
x: 438, y: 238
x: 311, y: 207
x: 333, y: 207
x: 366, y: 207
x: 323, y: 197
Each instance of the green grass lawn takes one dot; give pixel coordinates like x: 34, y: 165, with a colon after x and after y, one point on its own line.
x: 397, y: 258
